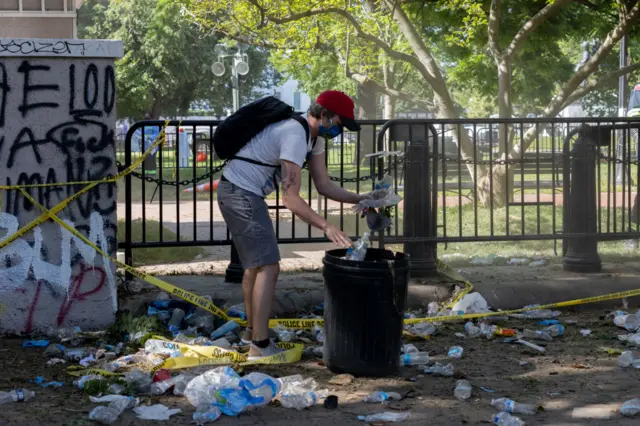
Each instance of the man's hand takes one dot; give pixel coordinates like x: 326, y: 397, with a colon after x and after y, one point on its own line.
x: 338, y: 237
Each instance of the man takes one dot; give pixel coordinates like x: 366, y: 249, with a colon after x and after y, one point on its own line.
x: 244, y: 185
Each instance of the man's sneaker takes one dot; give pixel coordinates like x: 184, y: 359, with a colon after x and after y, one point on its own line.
x: 256, y: 352
x: 247, y: 336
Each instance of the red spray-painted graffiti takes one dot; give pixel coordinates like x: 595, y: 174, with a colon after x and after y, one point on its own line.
x: 76, y: 294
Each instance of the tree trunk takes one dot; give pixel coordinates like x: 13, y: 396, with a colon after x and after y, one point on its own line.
x: 495, y: 188
x: 367, y: 105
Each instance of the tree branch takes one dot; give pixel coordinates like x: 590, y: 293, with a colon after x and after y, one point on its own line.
x: 356, y: 25
x: 362, y: 79
x: 547, y: 12
x: 493, y: 28
x: 596, y: 84
x: 426, y: 64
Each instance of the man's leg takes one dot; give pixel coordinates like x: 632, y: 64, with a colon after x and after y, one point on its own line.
x: 263, y: 292
x: 248, y: 283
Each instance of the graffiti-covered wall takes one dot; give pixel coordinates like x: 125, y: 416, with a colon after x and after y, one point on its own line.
x: 57, y: 124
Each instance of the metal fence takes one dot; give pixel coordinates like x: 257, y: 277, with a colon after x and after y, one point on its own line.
x: 469, y: 180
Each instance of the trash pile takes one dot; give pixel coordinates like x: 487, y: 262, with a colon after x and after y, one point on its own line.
x: 139, y: 357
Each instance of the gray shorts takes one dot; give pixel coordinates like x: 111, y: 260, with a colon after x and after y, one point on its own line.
x: 248, y: 220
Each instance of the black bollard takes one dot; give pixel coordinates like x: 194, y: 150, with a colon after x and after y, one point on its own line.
x: 582, y: 253
x: 418, y: 215
x: 234, y: 271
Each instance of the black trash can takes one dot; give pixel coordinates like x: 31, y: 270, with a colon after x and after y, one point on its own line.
x: 364, y: 306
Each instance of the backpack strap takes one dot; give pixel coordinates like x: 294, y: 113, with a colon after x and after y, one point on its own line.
x: 303, y: 123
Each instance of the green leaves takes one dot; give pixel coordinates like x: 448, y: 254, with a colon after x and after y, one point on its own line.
x: 167, y: 61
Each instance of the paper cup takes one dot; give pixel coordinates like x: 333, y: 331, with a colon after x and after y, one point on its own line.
x: 628, y: 322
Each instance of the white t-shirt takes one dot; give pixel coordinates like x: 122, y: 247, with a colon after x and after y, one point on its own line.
x: 284, y: 140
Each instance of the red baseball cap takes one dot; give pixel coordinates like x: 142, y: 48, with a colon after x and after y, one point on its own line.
x: 340, y: 103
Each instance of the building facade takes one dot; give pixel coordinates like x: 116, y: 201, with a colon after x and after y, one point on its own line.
x: 39, y: 18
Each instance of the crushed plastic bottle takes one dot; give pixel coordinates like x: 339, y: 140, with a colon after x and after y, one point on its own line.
x: 206, y: 413
x: 140, y: 380
x: 472, y: 330
x: 546, y: 334
x: 409, y: 349
x: 176, y: 319
x: 537, y: 313
x: 180, y: 383
x: 237, y: 311
x: 506, y: 419
x: 512, y: 407
x: 203, y: 388
x: 318, y: 333
x: 225, y: 329
x: 386, y: 417
x: 634, y: 339
x: 438, y: 369
x: 299, y: 393
x: 627, y: 359
x: 379, y: 396
x: 284, y: 334
x: 422, y: 329
x: 17, y: 395
x: 462, y: 390
x: 455, y: 352
x: 109, y: 414
x: 359, y: 250
x: 79, y: 383
x: 630, y: 408
x: 414, y: 358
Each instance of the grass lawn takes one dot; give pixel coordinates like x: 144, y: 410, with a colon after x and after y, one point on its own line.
x: 463, y: 222
x: 154, y: 256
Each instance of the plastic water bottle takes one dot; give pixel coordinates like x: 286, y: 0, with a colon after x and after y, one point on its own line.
x: 409, y: 349
x: 555, y: 330
x: 455, y: 352
x: 176, y: 319
x: 510, y: 406
x: 260, y: 388
x: 206, y: 413
x: 438, y: 369
x: 18, y: 395
x: 298, y: 398
x: 386, y: 417
x: 318, y: 332
x: 415, y: 358
x: 628, y: 358
x: 379, y: 396
x: 222, y: 331
x: 506, y: 419
x: 630, y: 408
x: 472, y: 330
x: 463, y: 390
x: 359, y: 250
x: 535, y: 334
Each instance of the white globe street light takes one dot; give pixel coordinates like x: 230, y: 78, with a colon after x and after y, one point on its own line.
x: 240, y: 66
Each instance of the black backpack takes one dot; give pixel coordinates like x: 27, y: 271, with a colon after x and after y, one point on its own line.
x: 239, y: 128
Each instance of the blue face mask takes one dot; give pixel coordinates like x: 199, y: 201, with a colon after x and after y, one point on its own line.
x: 331, y: 132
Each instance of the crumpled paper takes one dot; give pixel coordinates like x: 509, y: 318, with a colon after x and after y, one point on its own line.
x: 155, y: 412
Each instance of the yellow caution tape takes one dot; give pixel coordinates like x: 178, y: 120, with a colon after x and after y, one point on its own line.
x: 170, y: 288
x: 219, y: 356
x: 56, y: 209
x: 297, y: 324
x: 79, y: 371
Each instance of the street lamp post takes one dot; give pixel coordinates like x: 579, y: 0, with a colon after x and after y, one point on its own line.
x: 240, y: 66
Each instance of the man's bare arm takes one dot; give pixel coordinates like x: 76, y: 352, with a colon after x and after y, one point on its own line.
x: 327, y: 188
x: 291, y: 182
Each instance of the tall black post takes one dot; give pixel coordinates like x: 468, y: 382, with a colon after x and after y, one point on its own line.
x: 234, y: 271
x: 418, y: 214
x: 582, y: 254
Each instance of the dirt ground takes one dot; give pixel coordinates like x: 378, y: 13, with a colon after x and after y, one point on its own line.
x: 574, y: 372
